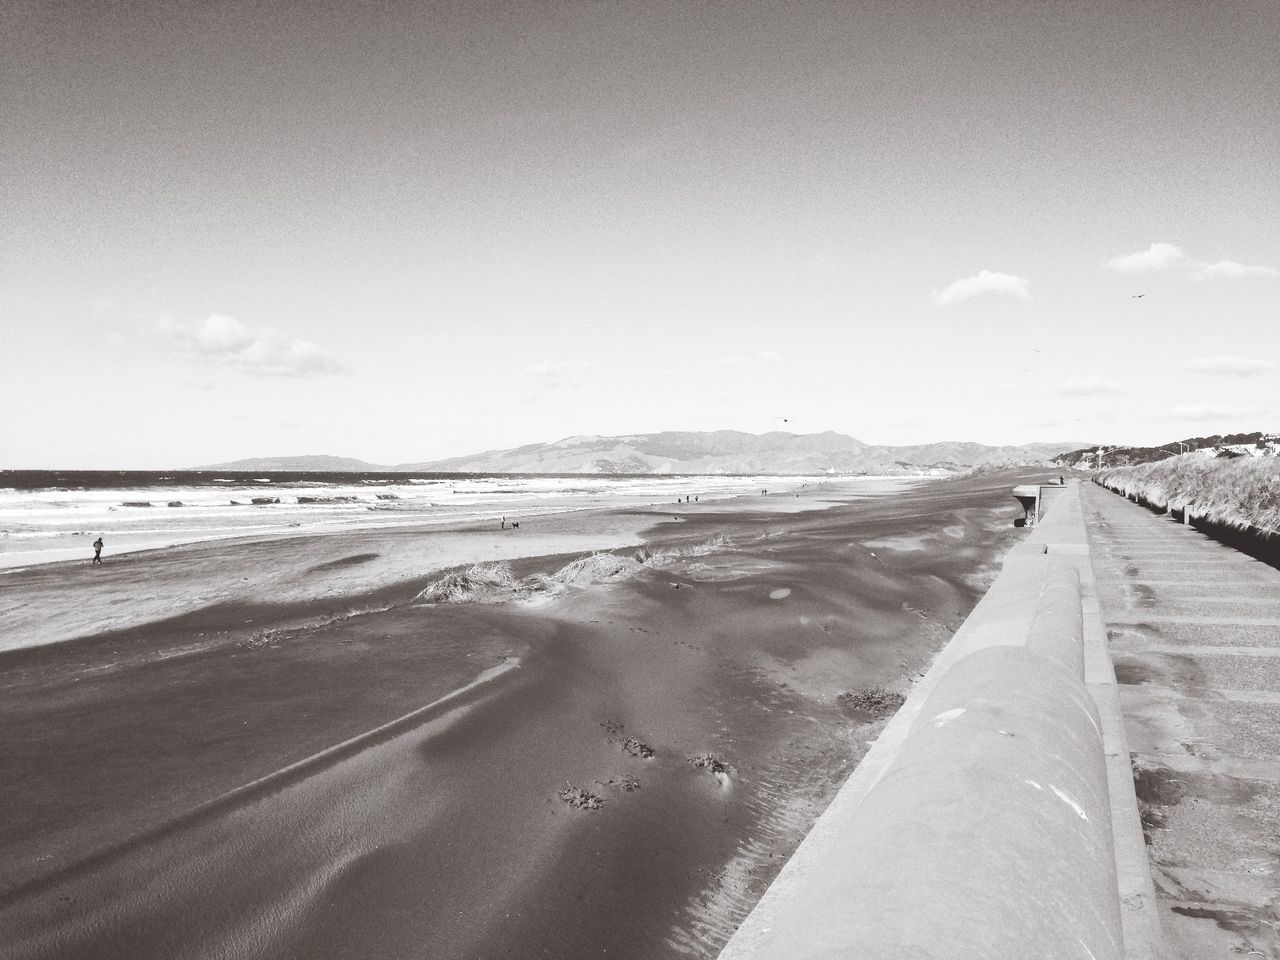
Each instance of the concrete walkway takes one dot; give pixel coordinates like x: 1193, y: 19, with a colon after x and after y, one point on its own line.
x: 1194, y: 631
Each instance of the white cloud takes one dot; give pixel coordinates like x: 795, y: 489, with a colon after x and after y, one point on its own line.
x: 822, y: 266
x: 1234, y: 366
x: 548, y: 375
x: 740, y: 360
x: 985, y: 281
x: 1159, y: 256
x: 222, y: 339
x: 1163, y: 256
x: 1230, y: 270
x: 1089, y: 387
x: 1210, y: 411
x: 102, y: 309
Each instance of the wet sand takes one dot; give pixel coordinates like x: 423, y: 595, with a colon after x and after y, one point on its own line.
x: 130, y: 831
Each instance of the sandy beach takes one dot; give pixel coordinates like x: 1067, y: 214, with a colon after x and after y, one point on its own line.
x: 271, y: 747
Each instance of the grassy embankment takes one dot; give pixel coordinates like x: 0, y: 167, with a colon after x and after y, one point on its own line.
x: 1241, y: 493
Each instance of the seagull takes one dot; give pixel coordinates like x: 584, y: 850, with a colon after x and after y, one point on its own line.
x: 1137, y: 296
x: 783, y: 419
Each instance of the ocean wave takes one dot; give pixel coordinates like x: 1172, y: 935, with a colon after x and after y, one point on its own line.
x: 192, y: 506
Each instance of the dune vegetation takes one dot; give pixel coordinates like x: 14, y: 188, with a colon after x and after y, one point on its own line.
x: 1239, y: 492
x: 496, y: 581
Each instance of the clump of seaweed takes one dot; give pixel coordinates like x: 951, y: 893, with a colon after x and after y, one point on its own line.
x: 637, y: 749
x: 878, y: 701
x: 709, y: 761
x: 629, y: 783
x: 580, y: 798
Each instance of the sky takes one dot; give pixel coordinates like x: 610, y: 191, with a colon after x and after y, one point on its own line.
x: 403, y: 231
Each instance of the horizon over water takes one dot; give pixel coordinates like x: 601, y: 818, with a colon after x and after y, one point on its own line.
x: 53, y: 515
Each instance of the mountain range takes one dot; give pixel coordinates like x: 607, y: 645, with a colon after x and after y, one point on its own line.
x: 714, y: 452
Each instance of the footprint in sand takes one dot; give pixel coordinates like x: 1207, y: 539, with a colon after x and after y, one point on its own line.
x: 580, y: 798
x: 717, y: 766
x: 630, y: 744
x: 637, y: 749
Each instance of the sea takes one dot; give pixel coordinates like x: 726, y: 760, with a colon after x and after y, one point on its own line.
x: 53, y: 515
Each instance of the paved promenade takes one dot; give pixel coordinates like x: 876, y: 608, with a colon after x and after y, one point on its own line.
x: 1194, y: 629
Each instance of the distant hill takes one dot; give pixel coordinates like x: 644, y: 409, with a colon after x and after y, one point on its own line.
x: 1217, y: 445
x: 315, y: 463
x: 730, y: 451
x: 714, y: 452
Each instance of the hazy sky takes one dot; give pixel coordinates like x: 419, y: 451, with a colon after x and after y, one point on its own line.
x: 402, y: 231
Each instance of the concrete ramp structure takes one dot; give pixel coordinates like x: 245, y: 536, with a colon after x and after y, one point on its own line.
x: 995, y: 817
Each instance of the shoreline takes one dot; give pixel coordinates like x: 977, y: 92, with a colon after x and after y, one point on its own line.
x: 406, y: 516
x: 147, y: 585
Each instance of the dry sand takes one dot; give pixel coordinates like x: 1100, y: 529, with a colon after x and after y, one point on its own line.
x: 173, y: 788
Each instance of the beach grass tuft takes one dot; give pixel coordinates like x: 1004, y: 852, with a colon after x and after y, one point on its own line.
x: 593, y: 568
x: 495, y: 582
x: 478, y: 583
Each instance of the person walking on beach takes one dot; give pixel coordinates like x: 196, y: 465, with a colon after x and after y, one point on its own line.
x: 97, y: 550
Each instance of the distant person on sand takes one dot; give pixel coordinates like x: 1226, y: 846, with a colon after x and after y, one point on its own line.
x: 97, y: 550
x: 504, y: 523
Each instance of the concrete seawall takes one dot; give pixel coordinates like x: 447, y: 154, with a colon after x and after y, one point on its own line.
x: 995, y: 815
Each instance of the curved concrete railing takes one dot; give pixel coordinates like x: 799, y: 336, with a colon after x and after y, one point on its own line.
x: 980, y: 824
